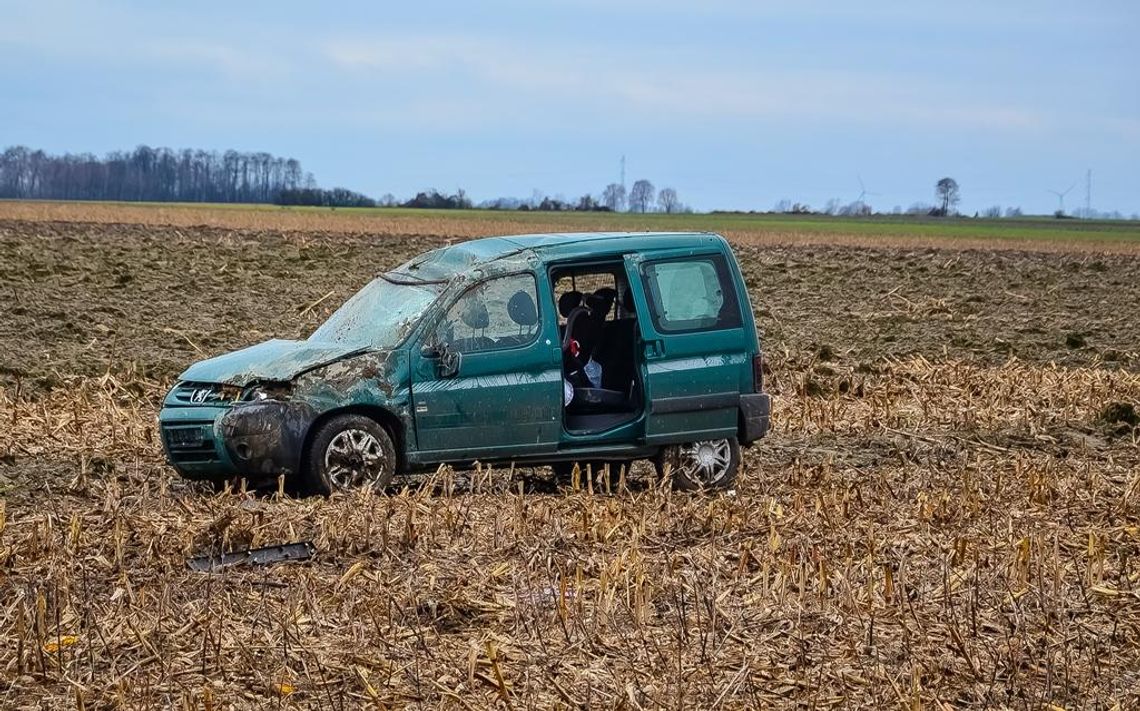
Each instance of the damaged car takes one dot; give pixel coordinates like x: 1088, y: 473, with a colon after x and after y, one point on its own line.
x: 532, y: 349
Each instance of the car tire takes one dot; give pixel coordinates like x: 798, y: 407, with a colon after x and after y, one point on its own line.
x: 349, y: 452
x: 703, y: 465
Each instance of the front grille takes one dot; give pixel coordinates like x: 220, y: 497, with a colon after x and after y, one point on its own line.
x: 204, y: 394
x: 190, y: 442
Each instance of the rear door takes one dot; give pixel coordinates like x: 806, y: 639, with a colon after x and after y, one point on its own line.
x: 696, y: 354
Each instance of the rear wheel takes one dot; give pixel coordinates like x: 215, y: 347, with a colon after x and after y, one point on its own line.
x: 350, y: 452
x: 708, y: 464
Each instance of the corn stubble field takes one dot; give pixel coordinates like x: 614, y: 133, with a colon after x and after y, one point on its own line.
x: 946, y: 514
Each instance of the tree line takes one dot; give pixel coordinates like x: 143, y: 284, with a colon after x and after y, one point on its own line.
x: 163, y: 175
x: 150, y: 174
x: 642, y: 197
x: 189, y: 175
x: 946, y: 190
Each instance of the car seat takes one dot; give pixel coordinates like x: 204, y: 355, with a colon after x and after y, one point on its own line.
x: 522, y: 310
x: 568, y: 302
x: 587, y: 331
x: 474, y: 316
x: 599, y: 304
x: 570, y: 306
x: 617, y: 352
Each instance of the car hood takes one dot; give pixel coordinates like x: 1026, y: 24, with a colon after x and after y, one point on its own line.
x: 276, y: 360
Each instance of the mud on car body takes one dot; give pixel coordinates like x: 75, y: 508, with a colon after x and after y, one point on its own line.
x: 535, y: 349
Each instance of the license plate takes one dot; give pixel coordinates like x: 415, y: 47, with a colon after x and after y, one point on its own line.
x: 184, y: 437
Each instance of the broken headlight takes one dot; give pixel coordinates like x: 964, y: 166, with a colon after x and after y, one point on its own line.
x: 267, y: 391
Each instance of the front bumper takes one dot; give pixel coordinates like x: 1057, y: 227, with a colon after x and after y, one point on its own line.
x: 192, y: 441
x: 755, y: 416
x: 256, y: 439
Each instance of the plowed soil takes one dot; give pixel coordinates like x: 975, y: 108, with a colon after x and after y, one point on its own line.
x: 946, y: 514
x: 85, y: 299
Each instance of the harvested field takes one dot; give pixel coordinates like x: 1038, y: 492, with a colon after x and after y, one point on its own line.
x: 947, y: 513
x: 1032, y: 233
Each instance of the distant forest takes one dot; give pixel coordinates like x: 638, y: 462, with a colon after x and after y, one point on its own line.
x: 164, y: 175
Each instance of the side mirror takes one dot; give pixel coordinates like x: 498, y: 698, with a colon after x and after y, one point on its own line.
x: 431, y: 350
x: 449, y: 363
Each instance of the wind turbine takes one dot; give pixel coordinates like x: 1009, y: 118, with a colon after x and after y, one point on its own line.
x: 862, y: 191
x: 1061, y: 197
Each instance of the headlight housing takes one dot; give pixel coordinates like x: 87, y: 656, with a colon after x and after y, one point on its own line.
x: 259, y: 392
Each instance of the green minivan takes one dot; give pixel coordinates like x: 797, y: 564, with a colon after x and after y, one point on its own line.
x: 533, y: 349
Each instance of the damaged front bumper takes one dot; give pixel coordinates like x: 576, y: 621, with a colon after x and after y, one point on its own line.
x: 258, y: 440
x: 193, y: 442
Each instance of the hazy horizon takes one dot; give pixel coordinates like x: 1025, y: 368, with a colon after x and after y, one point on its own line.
x: 735, y: 106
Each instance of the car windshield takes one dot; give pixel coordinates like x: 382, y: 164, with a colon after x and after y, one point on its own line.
x: 379, y: 315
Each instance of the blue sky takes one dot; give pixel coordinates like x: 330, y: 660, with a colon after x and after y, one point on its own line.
x: 734, y: 104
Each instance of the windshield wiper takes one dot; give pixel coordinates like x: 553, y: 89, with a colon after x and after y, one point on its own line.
x: 411, y: 279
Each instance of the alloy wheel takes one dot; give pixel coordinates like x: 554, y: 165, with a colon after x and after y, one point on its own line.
x: 354, y: 458
x: 706, y: 463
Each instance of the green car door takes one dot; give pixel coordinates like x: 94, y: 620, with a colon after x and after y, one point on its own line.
x: 492, y: 385
x: 697, y: 342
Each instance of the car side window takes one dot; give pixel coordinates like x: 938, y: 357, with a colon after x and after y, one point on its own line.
x: 691, y: 294
x: 494, y: 314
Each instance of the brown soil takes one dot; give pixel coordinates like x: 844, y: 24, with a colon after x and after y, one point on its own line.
x: 82, y: 299
x: 943, y: 516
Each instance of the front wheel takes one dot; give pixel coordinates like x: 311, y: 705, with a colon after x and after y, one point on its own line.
x: 708, y: 464
x: 350, y: 452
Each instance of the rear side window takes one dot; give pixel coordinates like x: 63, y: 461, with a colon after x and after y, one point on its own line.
x: 691, y: 294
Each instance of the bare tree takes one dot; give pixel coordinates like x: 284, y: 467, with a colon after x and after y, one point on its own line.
x: 613, y: 197
x: 947, y: 192
x: 857, y: 208
x: 586, y: 203
x: 668, y: 201
x: 156, y: 174
x: 641, y: 196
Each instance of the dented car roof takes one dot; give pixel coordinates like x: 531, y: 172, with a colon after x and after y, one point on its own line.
x: 446, y: 262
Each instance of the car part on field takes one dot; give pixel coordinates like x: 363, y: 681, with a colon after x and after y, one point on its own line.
x: 284, y: 553
x: 707, y: 464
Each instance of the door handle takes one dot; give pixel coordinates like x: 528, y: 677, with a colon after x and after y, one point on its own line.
x: 654, y: 348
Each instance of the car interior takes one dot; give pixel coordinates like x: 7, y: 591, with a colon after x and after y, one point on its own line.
x: 598, y: 328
